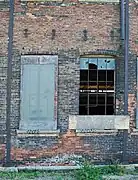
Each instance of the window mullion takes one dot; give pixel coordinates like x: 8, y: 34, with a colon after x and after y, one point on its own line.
x: 106, y: 91
x: 105, y: 102
x: 114, y: 94
x: 88, y: 105
x: 97, y: 85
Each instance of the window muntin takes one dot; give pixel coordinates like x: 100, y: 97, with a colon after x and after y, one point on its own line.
x: 97, y: 86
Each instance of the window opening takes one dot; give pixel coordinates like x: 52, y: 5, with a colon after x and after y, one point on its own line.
x: 97, y: 78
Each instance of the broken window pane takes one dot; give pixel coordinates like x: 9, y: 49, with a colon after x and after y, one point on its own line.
x: 110, y: 75
x: 97, y: 81
x: 93, y: 99
x: 84, y: 75
x: 110, y: 110
x: 83, y: 98
x: 102, y: 75
x: 92, y: 75
x: 83, y: 110
x: 84, y: 63
x: 102, y: 63
x: 110, y: 64
x: 110, y: 99
x: 83, y: 85
x: 93, y: 64
x: 93, y: 85
x: 101, y: 99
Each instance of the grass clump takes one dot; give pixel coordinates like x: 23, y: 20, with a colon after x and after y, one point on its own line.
x: 35, y: 174
x: 112, y: 170
x: 90, y: 172
x: 86, y: 172
x: 20, y: 175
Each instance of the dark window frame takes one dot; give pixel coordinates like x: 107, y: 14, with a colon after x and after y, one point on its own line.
x: 104, y: 87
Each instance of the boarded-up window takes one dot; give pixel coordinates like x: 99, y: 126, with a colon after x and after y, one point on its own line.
x: 38, y: 91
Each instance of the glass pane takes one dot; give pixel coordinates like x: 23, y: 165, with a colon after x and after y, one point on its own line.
x: 83, y: 75
x: 93, y: 99
x: 102, y: 85
x: 92, y: 63
x: 110, y: 110
x: 110, y: 85
x: 110, y: 75
x: 83, y: 63
x: 83, y: 110
x: 83, y: 98
x: 93, y: 85
x: 98, y: 110
x: 102, y: 63
x: 101, y: 75
x: 101, y: 110
x: 93, y: 75
x: 93, y: 110
x: 83, y: 85
x: 101, y: 99
x: 110, y: 99
x: 110, y: 63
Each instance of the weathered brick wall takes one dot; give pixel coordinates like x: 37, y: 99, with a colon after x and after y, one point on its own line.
x: 132, y: 64
x: 132, y: 89
x: 33, y: 34
x: 33, y: 24
x: 69, y: 23
x: 133, y: 27
x: 4, y: 19
x: 3, y: 76
x: 71, y: 149
x: 119, y: 85
x: 132, y: 148
x: 15, y: 92
x: 68, y: 87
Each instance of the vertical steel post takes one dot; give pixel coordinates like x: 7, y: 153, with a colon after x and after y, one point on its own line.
x: 9, y: 78
x: 122, y: 19
x: 126, y: 56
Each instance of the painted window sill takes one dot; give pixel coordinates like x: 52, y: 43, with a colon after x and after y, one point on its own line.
x: 3, y: 4
x: 23, y: 133
x: 135, y: 132
x: 100, y: 1
x: 41, y: 1
x: 92, y: 132
x: 111, y: 1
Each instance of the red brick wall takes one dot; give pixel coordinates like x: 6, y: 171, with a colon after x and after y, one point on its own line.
x: 69, y: 23
x: 4, y: 20
x: 102, y: 22
x: 133, y: 28
x: 71, y: 149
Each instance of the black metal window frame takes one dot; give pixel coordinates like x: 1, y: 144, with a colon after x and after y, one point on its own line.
x: 94, y: 86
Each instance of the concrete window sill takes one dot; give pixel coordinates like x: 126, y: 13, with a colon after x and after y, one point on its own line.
x: 41, y: 1
x: 22, y: 133
x: 111, y: 1
x: 100, y: 1
x: 3, y: 4
x: 92, y: 132
x: 135, y: 132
